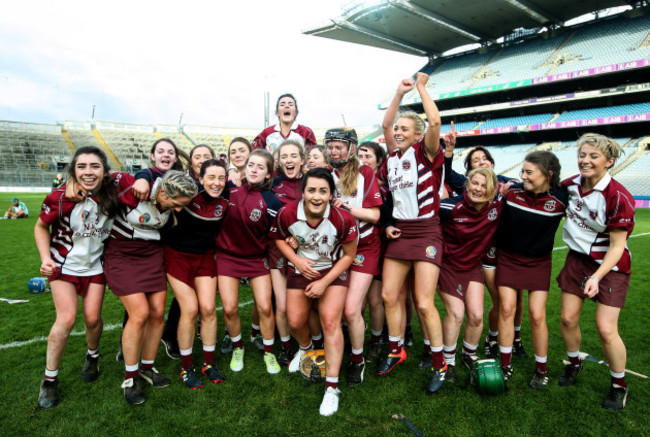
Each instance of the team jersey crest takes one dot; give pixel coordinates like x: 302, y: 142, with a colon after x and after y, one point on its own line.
x: 406, y: 165
x: 218, y: 211
x: 344, y: 276
x: 549, y: 205
x: 492, y: 215
x: 256, y: 214
x: 593, y: 214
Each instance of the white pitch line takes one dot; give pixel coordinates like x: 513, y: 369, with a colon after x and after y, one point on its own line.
x: 631, y: 236
x: 109, y: 327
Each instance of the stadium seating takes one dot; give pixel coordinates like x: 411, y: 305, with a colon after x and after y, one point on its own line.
x: 611, y: 111
x: 635, y: 176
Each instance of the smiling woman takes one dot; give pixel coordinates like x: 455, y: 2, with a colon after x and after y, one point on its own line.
x: 70, y: 257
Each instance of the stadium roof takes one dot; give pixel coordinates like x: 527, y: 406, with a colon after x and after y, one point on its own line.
x: 432, y: 27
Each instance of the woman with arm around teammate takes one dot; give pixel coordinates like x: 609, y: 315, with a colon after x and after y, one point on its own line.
x: 242, y: 247
x: 414, y: 176
x: 480, y: 157
x: 70, y: 257
x: 135, y: 272
x: 600, y: 219
x: 531, y: 215
x: 318, y: 276
x: 192, y: 271
x: 469, y: 225
x: 357, y: 191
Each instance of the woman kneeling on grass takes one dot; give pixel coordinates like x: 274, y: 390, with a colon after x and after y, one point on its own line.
x: 600, y: 219
x: 70, y: 257
x: 319, y: 277
x: 135, y: 272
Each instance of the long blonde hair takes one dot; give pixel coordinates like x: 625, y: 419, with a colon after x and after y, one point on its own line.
x: 491, y: 182
x: 347, y: 183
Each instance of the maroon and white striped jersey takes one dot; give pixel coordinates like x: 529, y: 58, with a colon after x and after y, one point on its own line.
x: 414, y: 182
x: 322, y: 244
x: 271, y: 137
x: 366, y: 195
x: 138, y: 220
x: 591, y: 216
x: 78, y: 232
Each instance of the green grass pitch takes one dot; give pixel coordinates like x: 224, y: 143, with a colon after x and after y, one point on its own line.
x: 254, y: 403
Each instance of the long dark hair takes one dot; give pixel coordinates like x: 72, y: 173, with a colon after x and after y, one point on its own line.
x: 106, y: 195
x: 468, y: 158
x: 269, y: 161
x: 548, y: 164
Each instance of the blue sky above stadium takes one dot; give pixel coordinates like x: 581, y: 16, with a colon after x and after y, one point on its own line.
x: 147, y: 62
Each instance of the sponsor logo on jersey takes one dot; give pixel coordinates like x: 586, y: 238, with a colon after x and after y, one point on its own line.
x: 406, y: 165
x: 549, y: 205
x: 218, y: 211
x: 593, y: 214
x: 145, y: 218
x: 431, y: 252
x: 358, y: 260
x: 256, y: 214
x: 84, y: 215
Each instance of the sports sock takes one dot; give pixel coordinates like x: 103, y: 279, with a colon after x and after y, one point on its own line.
x: 574, y: 357
x: 331, y: 381
x: 449, y: 353
x: 356, y: 355
x: 618, y: 378
x: 317, y: 340
x: 286, y: 341
x: 469, y: 349
x: 50, y: 375
x: 146, y: 364
x: 375, y: 337
x: 437, y: 358
x: 236, y: 342
x: 540, y: 363
x: 518, y: 332
x: 208, y: 354
x: 93, y: 352
x: 506, y: 355
x: 186, y: 358
x: 493, y: 336
x: 131, y: 371
x: 393, y: 345
x: 268, y: 345
x: 309, y: 347
x: 401, y: 341
x: 255, y: 329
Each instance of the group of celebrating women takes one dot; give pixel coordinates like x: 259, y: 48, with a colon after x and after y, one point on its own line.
x: 340, y: 227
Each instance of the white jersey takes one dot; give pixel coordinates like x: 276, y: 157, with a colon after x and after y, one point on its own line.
x: 415, y: 182
x: 591, y: 216
x: 78, y: 233
x: 139, y: 220
x: 365, y: 195
x: 322, y: 244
